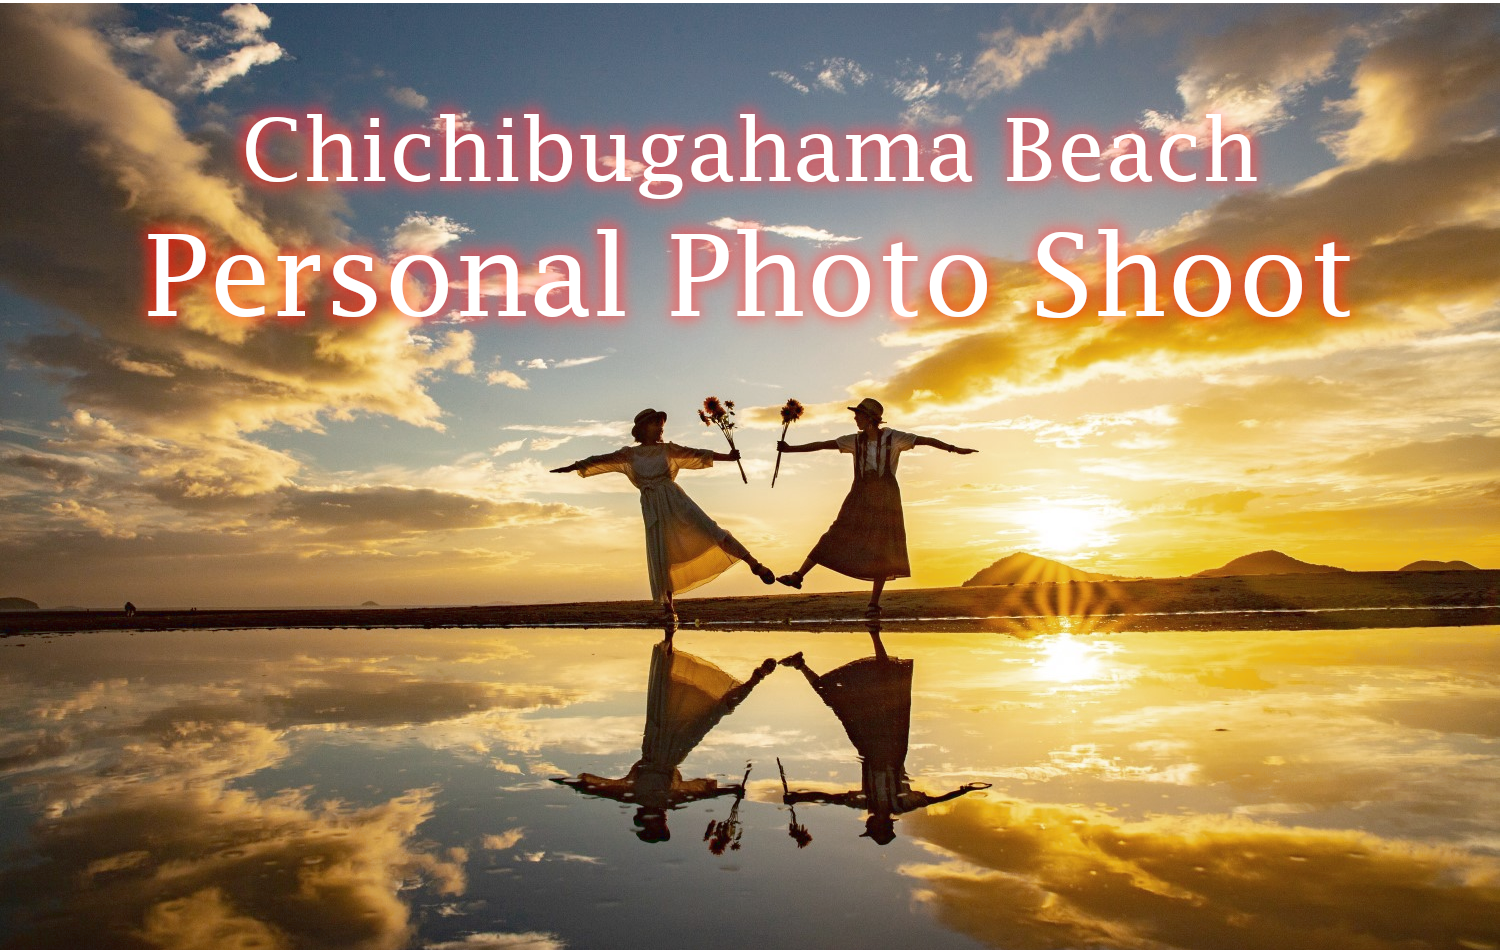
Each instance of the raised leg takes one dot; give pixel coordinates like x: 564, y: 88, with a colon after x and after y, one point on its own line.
x: 732, y: 546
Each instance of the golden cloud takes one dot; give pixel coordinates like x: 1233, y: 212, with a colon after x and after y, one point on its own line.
x: 1418, y: 223
x: 1033, y: 876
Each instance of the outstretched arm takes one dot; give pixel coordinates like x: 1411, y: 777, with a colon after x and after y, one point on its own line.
x: 616, y: 461
x: 784, y: 446
x: 852, y: 799
x: 946, y: 447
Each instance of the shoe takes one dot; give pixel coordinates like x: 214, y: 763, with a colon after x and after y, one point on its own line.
x: 872, y: 612
x: 766, y: 575
x: 793, y: 581
x: 795, y: 660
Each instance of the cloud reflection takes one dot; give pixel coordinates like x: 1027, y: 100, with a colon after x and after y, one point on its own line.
x: 1033, y: 876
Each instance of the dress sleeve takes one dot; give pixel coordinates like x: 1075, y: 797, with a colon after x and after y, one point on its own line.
x: 685, y: 457
x: 616, y: 461
x: 846, y: 443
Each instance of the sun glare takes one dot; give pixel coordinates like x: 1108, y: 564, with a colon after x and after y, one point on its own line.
x: 1070, y: 528
x: 1068, y: 659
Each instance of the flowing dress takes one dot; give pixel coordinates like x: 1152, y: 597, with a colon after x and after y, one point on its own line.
x: 682, y: 542
x: 685, y: 699
x: 868, y: 538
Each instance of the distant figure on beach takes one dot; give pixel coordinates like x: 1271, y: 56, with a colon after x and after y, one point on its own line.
x: 129, y: 609
x: 685, y: 699
x: 872, y: 698
x: 868, y: 538
x: 684, y: 547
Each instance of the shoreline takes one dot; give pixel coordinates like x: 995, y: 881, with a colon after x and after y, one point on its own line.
x: 1346, y: 600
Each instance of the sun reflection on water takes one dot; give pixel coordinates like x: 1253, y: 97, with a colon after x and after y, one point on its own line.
x: 1071, y: 658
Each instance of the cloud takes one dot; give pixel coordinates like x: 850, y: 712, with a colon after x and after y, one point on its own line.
x: 425, y: 234
x: 1253, y: 72
x: 531, y: 940
x: 800, y: 231
x: 160, y: 439
x: 248, y: 25
x: 150, y: 858
x: 506, y: 378
x: 407, y: 96
x: 833, y: 74
x: 1011, y: 55
x: 585, y: 429
x: 95, y: 518
x: 792, y: 81
x: 1044, y: 877
x: 462, y: 122
x: 1417, y: 228
x: 543, y: 363
x: 504, y: 840
x: 1432, y: 80
x: 1451, y: 457
x: 385, y: 510
x: 633, y: 168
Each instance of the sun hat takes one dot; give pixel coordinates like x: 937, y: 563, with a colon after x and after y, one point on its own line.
x: 642, y: 418
x: 870, y: 408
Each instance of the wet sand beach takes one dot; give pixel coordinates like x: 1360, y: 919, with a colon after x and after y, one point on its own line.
x: 1353, y: 600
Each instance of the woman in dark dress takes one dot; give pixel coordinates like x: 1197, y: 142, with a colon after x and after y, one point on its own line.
x: 872, y: 698
x: 868, y: 538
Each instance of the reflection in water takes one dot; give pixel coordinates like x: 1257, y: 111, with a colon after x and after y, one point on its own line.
x: 685, y: 698
x: 387, y: 789
x: 872, y: 698
x: 1046, y: 877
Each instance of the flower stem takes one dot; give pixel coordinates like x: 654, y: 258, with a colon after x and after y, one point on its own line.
x: 784, y: 427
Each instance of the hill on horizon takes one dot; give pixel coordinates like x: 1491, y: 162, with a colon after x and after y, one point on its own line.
x: 1269, y: 562
x: 17, y: 603
x: 1023, y: 568
x: 1440, y: 566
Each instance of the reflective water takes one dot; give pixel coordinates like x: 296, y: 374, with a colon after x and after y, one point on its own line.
x: 396, y: 788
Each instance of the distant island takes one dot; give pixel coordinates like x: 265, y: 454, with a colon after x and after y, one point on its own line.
x: 17, y: 603
x: 1268, y: 562
x: 1023, y: 568
x: 1439, y: 566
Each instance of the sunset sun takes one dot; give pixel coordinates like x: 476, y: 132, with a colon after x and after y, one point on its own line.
x: 1062, y: 529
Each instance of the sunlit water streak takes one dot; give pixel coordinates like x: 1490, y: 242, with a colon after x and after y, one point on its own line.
x: 392, y: 788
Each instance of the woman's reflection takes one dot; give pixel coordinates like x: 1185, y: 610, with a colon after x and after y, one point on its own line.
x: 872, y: 698
x: 686, y: 698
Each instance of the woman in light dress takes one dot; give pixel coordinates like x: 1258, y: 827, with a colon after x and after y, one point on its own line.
x: 684, y: 547
x: 686, y: 697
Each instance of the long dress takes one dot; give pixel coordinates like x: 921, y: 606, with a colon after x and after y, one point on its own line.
x: 872, y: 698
x: 685, y: 699
x: 682, y: 542
x: 867, y: 540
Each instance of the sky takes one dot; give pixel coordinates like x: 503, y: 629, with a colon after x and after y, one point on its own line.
x: 217, y: 461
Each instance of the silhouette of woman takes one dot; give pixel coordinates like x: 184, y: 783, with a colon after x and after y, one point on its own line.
x: 686, y: 697
x: 872, y: 698
x: 868, y: 538
x: 684, y: 547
